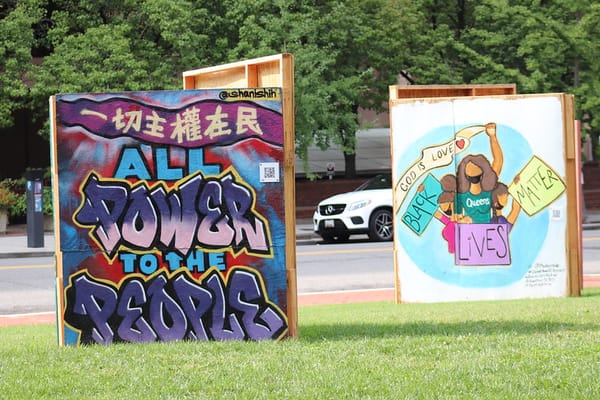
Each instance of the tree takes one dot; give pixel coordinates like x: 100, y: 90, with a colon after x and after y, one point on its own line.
x: 542, y: 46
x: 16, y: 41
x: 342, y: 60
x: 119, y: 46
x: 587, y: 73
x: 347, y: 53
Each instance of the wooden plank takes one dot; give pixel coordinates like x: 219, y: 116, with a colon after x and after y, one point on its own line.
x: 259, y: 72
x: 426, y: 91
x: 287, y: 83
x: 56, y: 219
x: 397, y: 291
x: 269, y: 71
x: 573, y: 176
x: 234, y: 78
x: 268, y: 74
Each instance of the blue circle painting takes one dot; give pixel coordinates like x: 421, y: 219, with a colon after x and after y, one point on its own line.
x: 429, y: 251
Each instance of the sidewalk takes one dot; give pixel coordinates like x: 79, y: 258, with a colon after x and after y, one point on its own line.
x: 14, y: 244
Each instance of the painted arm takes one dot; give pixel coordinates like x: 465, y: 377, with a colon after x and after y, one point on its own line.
x: 514, y: 212
x: 516, y: 207
x: 490, y: 130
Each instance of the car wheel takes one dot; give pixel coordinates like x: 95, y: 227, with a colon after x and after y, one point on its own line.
x: 331, y: 238
x: 381, y: 225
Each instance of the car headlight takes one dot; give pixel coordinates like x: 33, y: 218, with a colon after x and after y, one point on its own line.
x: 358, y: 204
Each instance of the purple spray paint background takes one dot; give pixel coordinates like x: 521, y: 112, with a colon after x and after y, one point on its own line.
x: 171, y: 216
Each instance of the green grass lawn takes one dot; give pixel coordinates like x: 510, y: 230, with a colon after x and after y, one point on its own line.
x: 525, y: 349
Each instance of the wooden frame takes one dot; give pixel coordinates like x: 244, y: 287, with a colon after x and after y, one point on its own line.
x: 269, y: 71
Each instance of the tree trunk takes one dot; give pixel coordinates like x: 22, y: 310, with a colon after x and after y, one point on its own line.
x: 350, y: 167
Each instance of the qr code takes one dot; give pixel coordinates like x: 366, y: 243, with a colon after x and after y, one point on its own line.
x: 269, y: 172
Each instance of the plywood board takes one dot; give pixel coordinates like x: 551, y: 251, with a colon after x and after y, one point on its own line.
x: 171, y: 216
x: 511, y: 229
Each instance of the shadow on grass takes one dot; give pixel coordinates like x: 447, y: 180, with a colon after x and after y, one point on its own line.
x: 346, y: 331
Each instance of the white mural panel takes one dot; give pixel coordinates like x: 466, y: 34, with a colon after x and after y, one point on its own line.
x: 479, y: 198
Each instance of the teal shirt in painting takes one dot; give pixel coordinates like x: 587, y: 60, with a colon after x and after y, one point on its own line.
x: 478, y: 207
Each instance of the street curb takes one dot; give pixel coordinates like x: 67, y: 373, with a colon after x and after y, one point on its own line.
x: 27, y: 254
x: 587, y: 227
x: 307, y: 236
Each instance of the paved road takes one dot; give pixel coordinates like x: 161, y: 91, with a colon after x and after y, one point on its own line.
x: 358, y: 265
x: 27, y: 284
x: 591, y: 252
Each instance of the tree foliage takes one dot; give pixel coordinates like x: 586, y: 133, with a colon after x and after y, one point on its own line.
x: 343, y: 60
x: 16, y: 42
x: 541, y: 45
x: 347, y: 53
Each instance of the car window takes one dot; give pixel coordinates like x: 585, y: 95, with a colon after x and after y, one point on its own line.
x: 383, y: 181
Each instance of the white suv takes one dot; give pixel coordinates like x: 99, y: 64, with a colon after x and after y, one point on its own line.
x: 367, y: 209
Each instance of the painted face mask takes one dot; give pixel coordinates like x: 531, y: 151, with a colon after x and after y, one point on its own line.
x: 474, y: 179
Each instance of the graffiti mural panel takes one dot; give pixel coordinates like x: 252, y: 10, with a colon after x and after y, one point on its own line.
x: 171, y: 215
x: 480, y: 198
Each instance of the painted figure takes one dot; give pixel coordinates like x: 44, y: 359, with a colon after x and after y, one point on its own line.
x: 445, y: 214
x: 499, y: 202
x: 476, y: 179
